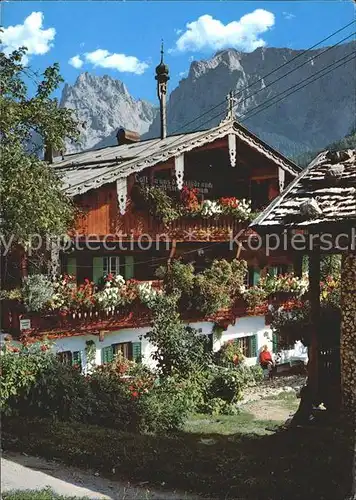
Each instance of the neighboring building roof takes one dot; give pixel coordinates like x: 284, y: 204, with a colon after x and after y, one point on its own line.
x: 329, y: 182
x: 91, y: 169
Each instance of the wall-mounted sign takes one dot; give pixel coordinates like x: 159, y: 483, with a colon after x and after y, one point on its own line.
x: 25, y: 324
x: 171, y: 185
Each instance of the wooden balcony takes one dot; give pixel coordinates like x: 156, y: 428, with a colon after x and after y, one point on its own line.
x: 32, y: 326
x: 189, y: 229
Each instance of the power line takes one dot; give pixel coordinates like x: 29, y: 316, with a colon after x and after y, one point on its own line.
x: 247, y: 116
x: 274, y: 71
x: 321, y: 76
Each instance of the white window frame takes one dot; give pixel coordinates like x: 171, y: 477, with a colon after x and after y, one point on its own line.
x: 109, y: 263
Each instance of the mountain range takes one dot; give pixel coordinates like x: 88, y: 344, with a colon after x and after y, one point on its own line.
x: 268, y: 101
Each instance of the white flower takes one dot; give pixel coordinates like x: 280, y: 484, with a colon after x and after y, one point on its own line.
x: 210, y: 208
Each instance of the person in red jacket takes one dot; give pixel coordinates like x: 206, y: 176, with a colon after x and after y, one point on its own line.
x: 266, y: 360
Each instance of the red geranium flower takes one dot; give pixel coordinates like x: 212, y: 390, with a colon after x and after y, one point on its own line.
x: 44, y: 348
x: 135, y: 394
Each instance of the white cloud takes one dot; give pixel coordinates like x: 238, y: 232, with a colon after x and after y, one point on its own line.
x: 288, y: 15
x: 30, y: 34
x: 120, y: 62
x: 76, y: 62
x: 183, y: 74
x: 207, y: 33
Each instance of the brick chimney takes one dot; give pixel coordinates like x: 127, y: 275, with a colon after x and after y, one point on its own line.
x: 127, y: 136
x: 50, y: 153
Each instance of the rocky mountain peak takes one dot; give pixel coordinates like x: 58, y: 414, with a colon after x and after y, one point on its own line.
x: 104, y: 104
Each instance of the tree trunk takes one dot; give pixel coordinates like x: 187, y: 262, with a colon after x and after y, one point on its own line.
x: 348, y: 333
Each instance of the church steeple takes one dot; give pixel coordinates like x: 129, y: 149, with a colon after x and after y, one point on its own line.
x: 162, y: 77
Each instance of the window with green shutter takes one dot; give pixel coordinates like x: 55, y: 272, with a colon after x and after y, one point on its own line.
x: 253, y: 346
x: 98, y: 268
x: 123, y: 348
x: 107, y: 354
x: 248, y: 345
x: 77, y: 359
x: 65, y: 357
x: 129, y: 267
x: 136, y: 352
x: 256, y: 276
x: 272, y: 271
x: 72, y: 266
x: 274, y: 343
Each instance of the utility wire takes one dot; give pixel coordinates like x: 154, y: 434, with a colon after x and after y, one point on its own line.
x: 247, y: 115
x: 275, y: 70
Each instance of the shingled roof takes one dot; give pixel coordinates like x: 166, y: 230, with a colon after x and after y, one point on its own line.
x: 324, y: 193
x: 81, y: 172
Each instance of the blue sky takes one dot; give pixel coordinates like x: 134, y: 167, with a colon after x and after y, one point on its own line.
x: 123, y: 39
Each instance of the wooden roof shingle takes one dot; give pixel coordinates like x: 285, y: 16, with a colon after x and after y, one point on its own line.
x: 329, y: 180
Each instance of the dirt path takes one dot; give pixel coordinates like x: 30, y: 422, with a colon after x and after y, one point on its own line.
x: 270, y: 410
x: 20, y: 472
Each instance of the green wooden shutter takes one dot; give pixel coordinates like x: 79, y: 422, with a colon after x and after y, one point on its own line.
x: 256, y: 276
x: 136, y: 352
x: 253, y: 346
x: 77, y: 359
x: 98, y: 268
x: 129, y: 267
x: 107, y: 354
x: 72, y: 266
x: 274, y: 343
x: 273, y: 271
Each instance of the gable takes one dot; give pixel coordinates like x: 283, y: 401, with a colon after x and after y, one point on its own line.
x: 89, y: 170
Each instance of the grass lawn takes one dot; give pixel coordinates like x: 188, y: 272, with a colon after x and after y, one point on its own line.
x: 217, y: 457
x: 45, y: 494
x: 244, y: 423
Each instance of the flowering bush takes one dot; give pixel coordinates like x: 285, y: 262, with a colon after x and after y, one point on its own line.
x: 210, y: 208
x: 330, y: 290
x: 112, y: 294
x: 147, y: 294
x: 241, y: 209
x: 189, y: 199
x: 63, y: 290
x: 285, y: 283
x: 230, y: 353
x: 83, y: 297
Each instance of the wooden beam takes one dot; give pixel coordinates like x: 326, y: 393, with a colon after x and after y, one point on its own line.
x: 314, y: 287
x: 298, y: 264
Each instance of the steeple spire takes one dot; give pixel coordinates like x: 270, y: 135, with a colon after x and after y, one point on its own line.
x: 162, y: 77
x: 162, y: 50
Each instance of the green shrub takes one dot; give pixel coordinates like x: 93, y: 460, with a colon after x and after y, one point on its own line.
x: 36, y: 384
x: 20, y: 369
x: 226, y: 384
x: 218, y: 406
x: 165, y: 408
x: 178, y: 349
x: 37, y: 291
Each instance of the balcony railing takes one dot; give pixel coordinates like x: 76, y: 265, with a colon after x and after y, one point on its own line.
x: 17, y: 321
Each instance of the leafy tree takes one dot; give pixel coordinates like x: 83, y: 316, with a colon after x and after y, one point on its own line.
x: 347, y: 142
x: 31, y: 198
x: 180, y: 350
